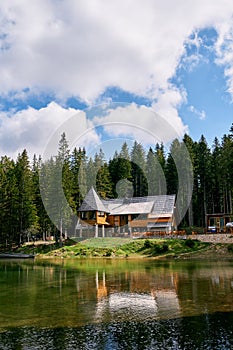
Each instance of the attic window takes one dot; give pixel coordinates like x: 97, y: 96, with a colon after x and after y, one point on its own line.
x: 88, y: 215
x: 101, y: 214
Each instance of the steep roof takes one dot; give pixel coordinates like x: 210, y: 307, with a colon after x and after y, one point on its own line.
x: 163, y: 204
x: 92, y: 202
x: 132, y: 208
x: 153, y: 205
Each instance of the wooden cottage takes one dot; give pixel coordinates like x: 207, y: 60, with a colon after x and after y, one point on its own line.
x: 92, y: 214
x: 127, y: 215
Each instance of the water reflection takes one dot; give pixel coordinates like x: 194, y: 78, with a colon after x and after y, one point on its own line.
x: 77, y: 292
x: 149, y: 303
x: 115, y: 302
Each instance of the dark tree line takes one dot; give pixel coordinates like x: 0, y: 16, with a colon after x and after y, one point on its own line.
x: 135, y: 172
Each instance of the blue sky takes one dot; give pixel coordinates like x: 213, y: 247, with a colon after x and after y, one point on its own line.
x: 61, y: 58
x: 208, y: 109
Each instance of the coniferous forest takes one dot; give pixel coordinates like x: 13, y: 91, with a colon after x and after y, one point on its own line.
x: 130, y: 172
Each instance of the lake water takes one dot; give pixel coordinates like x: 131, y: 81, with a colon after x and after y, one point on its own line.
x: 116, y: 304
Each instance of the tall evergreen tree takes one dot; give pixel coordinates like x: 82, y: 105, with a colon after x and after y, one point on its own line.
x: 226, y: 172
x: 120, y: 170
x: 155, y: 174
x: 79, y: 176
x: 104, y: 183
x: 26, y: 208
x: 43, y: 224
x: 9, y: 194
x: 103, y: 179
x: 204, y: 180
x: 139, y: 170
x: 91, y: 174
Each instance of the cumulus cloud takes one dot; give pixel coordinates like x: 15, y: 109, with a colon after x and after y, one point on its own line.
x: 224, y: 50
x: 139, y: 123
x: 80, y: 48
x: 34, y: 129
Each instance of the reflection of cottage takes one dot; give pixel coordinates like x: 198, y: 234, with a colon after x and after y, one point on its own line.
x: 126, y: 305
x: 150, y: 303
x: 126, y: 215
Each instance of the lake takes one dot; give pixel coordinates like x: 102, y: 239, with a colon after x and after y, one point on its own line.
x: 116, y: 304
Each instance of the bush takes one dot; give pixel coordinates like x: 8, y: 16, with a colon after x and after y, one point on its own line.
x: 161, y: 248
x: 147, y: 244
x: 190, y: 243
x: 108, y: 253
x: 230, y: 248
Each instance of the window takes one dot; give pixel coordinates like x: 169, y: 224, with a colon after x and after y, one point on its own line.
x: 84, y: 215
x: 88, y: 215
x: 91, y: 215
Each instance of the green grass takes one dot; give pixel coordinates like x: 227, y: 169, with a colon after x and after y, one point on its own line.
x: 111, y: 242
x: 117, y: 247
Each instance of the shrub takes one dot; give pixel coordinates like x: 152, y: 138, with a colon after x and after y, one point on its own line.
x: 108, y: 253
x: 190, y: 243
x: 147, y: 244
x: 161, y: 248
x: 230, y: 248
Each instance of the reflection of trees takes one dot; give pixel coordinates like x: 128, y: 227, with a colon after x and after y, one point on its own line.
x: 66, y: 301
x: 212, y: 331
x: 205, y: 290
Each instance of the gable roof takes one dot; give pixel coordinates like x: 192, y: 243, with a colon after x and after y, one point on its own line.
x: 155, y: 206
x: 92, y: 202
x: 164, y: 204
x: 131, y: 208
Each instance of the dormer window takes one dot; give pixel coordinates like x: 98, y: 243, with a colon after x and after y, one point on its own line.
x: 88, y: 215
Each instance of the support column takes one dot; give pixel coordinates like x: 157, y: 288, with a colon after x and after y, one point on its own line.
x: 96, y: 230
x: 103, y: 231
x: 81, y: 232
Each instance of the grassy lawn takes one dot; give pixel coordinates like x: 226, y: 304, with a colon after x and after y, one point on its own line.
x: 111, y: 242
x: 117, y: 247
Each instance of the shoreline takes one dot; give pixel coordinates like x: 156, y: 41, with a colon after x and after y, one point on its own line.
x: 208, y: 247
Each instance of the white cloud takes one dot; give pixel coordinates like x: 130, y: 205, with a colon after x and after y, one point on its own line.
x: 33, y: 129
x: 201, y: 114
x: 224, y: 50
x: 140, y: 123
x: 79, y: 48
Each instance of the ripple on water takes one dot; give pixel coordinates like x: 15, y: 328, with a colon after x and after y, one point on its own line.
x: 205, y: 332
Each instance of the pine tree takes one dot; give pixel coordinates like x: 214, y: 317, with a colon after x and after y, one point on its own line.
x: 103, y: 179
x: 120, y: 169
x: 43, y: 223
x: 79, y: 176
x: 204, y: 180
x: 226, y: 172
x: 91, y: 174
x: 104, y: 182
x: 8, y: 201
x: 139, y: 170
x: 27, y: 218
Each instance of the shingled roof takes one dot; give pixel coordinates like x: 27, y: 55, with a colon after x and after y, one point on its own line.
x: 155, y: 206
x: 92, y: 202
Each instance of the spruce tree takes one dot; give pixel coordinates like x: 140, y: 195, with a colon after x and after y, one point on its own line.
x: 139, y: 170
x: 26, y: 208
